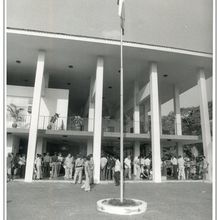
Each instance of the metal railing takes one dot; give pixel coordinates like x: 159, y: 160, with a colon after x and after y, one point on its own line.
x: 70, y: 123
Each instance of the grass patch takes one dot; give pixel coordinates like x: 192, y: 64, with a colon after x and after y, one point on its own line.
x: 126, y: 202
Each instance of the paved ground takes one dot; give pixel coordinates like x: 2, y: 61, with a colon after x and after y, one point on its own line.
x: 57, y: 201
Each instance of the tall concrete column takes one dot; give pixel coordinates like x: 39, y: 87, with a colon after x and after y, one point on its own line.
x: 136, y: 119
x: 155, y: 123
x: 136, y: 149
x: 98, y: 119
x: 45, y: 83
x: 34, y: 116
x: 136, y: 114
x: 91, y: 114
x: 146, y: 118
x: 180, y: 149
x: 176, y: 102
x: 204, y: 114
x: 160, y: 117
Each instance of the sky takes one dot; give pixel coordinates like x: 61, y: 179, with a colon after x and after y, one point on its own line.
x: 190, y: 98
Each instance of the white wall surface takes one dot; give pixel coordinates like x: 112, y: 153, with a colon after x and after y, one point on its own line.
x: 12, y: 144
x: 172, y: 23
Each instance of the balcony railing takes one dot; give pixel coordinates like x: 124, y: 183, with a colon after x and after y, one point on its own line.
x: 64, y: 123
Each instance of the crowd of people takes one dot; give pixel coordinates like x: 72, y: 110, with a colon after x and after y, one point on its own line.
x: 81, y: 167
x: 139, y: 168
x: 47, y: 166
x: 181, y: 168
x: 185, y: 168
x: 16, y: 166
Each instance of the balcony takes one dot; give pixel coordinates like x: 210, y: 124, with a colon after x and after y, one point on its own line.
x: 44, y: 123
x: 69, y: 124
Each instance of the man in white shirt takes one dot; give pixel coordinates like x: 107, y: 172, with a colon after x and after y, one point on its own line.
x: 103, y: 162
x: 127, y: 163
x: 147, y: 162
x: 181, y: 172
x: 175, y: 164
x: 117, y: 171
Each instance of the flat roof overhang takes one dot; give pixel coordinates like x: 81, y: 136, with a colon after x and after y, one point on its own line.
x: 70, y: 135
x: 52, y: 133
x: 62, y: 50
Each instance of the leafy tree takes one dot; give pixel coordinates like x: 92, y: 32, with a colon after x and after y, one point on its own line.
x: 191, y: 122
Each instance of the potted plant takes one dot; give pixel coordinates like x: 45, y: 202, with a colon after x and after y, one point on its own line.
x: 15, y: 113
x: 52, y: 121
x: 77, y: 122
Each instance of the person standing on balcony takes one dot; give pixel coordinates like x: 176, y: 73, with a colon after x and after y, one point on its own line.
x: 78, y: 169
x: 127, y: 164
x: 53, y: 162
x: 103, y: 163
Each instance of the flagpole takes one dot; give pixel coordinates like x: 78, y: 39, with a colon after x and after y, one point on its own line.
x: 121, y: 124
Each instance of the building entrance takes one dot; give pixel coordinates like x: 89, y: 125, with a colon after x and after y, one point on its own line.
x: 64, y: 148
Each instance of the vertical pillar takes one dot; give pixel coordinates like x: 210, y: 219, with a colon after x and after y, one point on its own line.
x: 45, y: 83
x: 34, y: 116
x: 136, y: 149
x: 204, y: 114
x: 136, y: 119
x: 98, y: 119
x: 160, y: 119
x: 180, y: 149
x: 146, y: 119
x: 155, y: 123
x: 91, y: 113
x: 176, y: 102
x: 136, y: 114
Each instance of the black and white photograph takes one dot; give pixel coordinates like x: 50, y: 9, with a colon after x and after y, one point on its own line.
x: 109, y: 110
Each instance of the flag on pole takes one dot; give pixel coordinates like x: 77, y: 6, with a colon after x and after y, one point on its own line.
x: 121, y: 13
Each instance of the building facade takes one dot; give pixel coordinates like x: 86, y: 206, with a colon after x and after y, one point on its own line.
x: 64, y: 58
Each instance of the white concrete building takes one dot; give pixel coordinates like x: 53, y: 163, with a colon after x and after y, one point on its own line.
x: 65, y: 58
